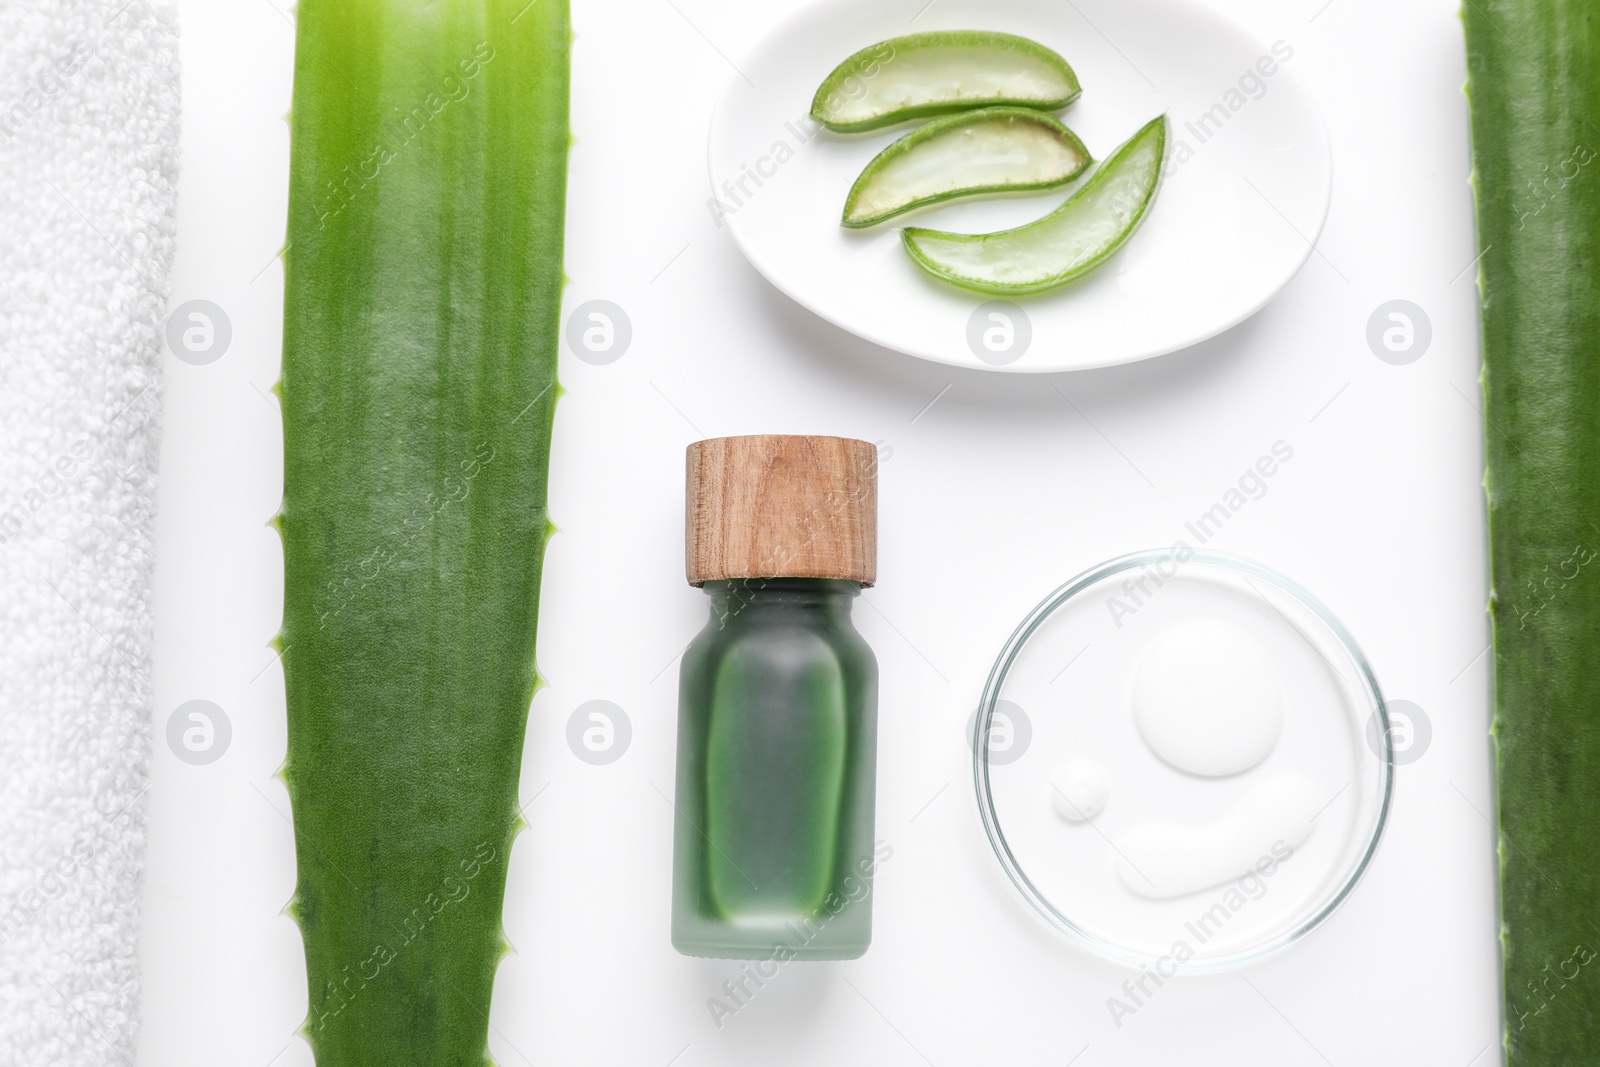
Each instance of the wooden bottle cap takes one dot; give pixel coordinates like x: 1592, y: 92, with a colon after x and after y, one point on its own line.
x: 774, y: 506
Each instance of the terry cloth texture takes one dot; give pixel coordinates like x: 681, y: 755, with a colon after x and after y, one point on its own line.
x: 88, y: 169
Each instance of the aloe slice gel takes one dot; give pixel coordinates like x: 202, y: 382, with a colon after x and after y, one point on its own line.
x: 777, y: 718
x: 941, y: 72
x: 1068, y: 243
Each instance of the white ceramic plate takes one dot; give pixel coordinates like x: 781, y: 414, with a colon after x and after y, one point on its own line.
x: 1243, y: 200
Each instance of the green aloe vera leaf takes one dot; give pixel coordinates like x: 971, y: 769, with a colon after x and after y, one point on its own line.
x: 423, y: 277
x: 936, y: 73
x: 1068, y: 243
x: 1533, y: 70
x: 991, y: 150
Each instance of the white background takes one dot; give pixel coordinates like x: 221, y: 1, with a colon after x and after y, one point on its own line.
x: 1002, y: 488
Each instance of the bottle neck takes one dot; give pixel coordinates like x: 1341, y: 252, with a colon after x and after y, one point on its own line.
x: 752, y: 599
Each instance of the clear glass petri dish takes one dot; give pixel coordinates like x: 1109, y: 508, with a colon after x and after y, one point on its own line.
x: 1060, y: 695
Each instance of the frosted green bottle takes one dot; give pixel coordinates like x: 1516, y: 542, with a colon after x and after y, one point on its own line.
x: 777, y: 715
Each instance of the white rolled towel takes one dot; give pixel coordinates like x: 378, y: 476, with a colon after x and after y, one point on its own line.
x: 88, y: 168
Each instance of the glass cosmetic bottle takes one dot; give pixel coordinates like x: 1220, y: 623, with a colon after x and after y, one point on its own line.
x: 777, y: 714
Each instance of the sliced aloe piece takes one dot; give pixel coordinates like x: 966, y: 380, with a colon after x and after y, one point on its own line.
x: 935, y: 73
x: 1069, y: 242
x: 993, y: 150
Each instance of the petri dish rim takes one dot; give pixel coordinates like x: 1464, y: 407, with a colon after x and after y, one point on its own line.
x: 1041, y: 903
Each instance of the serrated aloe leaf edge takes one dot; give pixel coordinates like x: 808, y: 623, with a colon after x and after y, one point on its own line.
x: 1533, y: 80
x: 423, y: 277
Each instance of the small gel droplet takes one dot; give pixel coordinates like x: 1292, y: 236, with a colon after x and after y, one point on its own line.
x: 1079, y: 790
